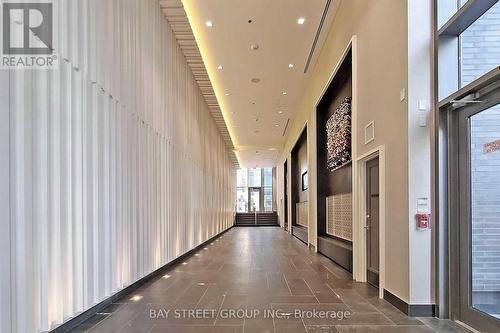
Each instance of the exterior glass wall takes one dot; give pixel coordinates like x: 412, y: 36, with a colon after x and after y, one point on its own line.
x: 254, y: 190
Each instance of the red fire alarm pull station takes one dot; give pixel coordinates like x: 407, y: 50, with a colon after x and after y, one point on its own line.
x: 423, y: 221
x: 423, y: 216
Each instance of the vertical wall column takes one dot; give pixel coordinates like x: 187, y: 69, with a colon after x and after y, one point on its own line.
x: 5, y: 276
x: 421, y: 254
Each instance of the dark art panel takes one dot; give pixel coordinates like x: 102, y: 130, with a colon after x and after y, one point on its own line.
x: 338, y: 133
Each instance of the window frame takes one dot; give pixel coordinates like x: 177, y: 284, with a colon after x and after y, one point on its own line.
x: 450, y: 97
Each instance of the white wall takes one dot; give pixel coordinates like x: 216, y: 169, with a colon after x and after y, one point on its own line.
x: 386, y: 62
x: 5, y: 310
x: 117, y: 164
x: 420, y: 87
x: 381, y: 30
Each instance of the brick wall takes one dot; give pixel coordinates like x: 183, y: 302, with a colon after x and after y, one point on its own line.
x: 481, y: 53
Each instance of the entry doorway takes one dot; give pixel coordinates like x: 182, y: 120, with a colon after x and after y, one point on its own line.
x: 372, y: 222
x: 475, y: 227
x: 254, y: 199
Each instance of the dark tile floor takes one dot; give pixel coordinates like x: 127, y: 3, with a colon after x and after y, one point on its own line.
x: 257, y: 280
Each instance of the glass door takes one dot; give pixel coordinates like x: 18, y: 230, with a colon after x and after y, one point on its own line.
x: 479, y: 215
x: 254, y: 200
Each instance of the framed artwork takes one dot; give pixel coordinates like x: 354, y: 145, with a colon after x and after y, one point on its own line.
x: 338, y: 136
x: 305, y: 182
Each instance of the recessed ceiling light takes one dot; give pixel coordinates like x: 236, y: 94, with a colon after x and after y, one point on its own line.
x: 256, y: 119
x: 290, y: 65
x: 254, y: 47
x: 220, y: 67
x: 277, y: 125
x: 136, y: 298
x: 209, y: 24
x: 255, y: 80
x: 272, y: 149
x: 227, y: 94
x: 280, y: 112
x: 301, y: 20
x: 285, y: 93
x: 166, y: 276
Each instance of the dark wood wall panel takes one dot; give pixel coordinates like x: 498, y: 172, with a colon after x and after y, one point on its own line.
x: 340, y: 180
x: 299, y: 166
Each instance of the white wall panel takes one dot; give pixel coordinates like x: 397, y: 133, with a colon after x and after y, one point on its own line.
x: 5, y: 244
x: 116, y: 166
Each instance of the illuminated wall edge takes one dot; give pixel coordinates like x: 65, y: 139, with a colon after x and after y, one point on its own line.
x: 209, y: 65
x: 116, y: 166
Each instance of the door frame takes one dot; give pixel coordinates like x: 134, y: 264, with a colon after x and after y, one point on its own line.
x: 372, y: 162
x: 261, y: 198
x: 359, y: 220
x: 459, y: 167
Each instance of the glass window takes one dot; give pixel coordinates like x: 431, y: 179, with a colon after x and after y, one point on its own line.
x: 446, y: 9
x: 480, y: 46
x: 485, y: 217
x: 242, y: 178
x: 242, y: 200
x: 254, y: 190
x: 268, y: 177
x: 254, y: 177
x: 268, y: 199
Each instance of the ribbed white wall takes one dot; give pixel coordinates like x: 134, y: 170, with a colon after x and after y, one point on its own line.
x: 116, y: 166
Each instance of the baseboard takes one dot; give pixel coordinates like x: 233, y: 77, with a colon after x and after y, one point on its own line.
x: 81, y: 318
x: 337, y: 251
x: 256, y: 225
x: 411, y: 310
x: 301, y: 233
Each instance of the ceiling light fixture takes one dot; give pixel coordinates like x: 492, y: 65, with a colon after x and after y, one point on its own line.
x: 166, y: 276
x: 220, y: 67
x: 301, y: 20
x: 280, y: 112
x: 277, y: 125
x: 227, y: 94
x: 272, y: 149
x: 290, y: 65
x: 209, y: 24
x: 285, y: 93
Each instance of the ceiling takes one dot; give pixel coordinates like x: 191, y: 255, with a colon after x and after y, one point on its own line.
x: 257, y: 40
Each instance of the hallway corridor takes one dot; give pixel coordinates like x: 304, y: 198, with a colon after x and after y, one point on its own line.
x: 257, y: 269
